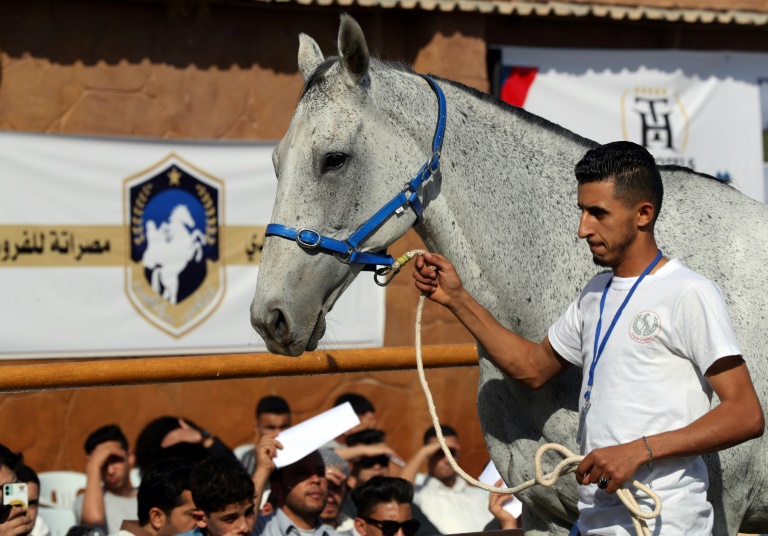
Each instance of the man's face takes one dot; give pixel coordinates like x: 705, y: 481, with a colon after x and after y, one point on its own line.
x: 271, y: 424
x: 116, y: 470
x: 438, y: 465
x: 368, y: 467
x: 337, y: 488
x: 180, y: 519
x: 606, y: 223
x: 235, y: 519
x: 304, y: 486
x: 367, y: 422
x: 33, y: 494
x: 391, y: 511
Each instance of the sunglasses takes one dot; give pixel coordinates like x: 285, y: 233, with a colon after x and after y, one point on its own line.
x: 390, y: 528
x: 368, y: 462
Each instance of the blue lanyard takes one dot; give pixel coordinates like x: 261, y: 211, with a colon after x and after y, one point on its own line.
x: 597, y: 352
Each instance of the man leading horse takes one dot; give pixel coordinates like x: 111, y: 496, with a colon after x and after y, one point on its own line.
x: 654, y: 339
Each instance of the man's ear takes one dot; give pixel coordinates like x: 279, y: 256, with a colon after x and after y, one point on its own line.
x: 156, y: 518
x: 200, y: 519
x: 645, y: 213
x: 131, y: 459
x: 361, y: 527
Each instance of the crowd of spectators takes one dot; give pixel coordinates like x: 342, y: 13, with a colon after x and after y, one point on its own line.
x: 193, y: 484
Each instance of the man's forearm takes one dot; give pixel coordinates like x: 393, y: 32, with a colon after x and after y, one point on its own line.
x: 93, y: 503
x: 726, y: 425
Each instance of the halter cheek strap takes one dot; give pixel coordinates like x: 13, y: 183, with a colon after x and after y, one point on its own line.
x: 347, y: 250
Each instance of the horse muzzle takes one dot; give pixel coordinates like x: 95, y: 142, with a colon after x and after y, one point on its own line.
x: 278, y: 329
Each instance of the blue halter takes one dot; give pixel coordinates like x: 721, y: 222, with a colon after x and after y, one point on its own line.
x: 347, y: 250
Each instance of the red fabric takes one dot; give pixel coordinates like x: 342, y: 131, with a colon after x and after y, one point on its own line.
x: 516, y: 86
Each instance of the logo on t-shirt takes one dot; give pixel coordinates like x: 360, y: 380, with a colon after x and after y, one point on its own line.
x: 645, y: 327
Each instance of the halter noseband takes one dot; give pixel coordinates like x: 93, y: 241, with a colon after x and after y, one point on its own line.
x: 347, y: 250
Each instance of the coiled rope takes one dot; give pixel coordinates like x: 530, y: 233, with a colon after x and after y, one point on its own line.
x: 568, y: 465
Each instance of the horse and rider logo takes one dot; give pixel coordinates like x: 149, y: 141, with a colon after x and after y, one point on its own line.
x: 645, y: 327
x: 174, y: 274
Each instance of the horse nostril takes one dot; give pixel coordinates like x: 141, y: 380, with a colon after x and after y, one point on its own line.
x: 279, y: 326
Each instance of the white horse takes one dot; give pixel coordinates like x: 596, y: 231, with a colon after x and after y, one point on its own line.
x: 503, y: 209
x: 170, y: 248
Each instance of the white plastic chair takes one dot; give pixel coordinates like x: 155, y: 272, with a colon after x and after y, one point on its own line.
x: 242, y: 449
x: 135, y: 477
x: 59, y: 488
x: 59, y: 520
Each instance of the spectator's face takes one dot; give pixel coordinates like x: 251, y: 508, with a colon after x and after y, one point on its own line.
x: 235, y: 520
x: 368, y: 467
x: 391, y: 511
x: 438, y: 465
x: 116, y: 470
x: 271, y: 424
x: 33, y: 493
x: 337, y: 488
x: 304, y: 486
x: 180, y: 519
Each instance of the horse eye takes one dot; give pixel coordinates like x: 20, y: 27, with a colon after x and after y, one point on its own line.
x: 334, y: 161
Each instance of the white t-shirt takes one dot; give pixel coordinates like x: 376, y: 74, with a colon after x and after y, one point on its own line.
x: 116, y: 510
x: 649, y: 379
x: 454, y: 510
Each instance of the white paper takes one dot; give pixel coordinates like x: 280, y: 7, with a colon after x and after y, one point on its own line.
x: 300, y: 440
x: 490, y: 476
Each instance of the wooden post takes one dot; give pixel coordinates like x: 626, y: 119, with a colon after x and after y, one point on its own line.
x: 138, y: 371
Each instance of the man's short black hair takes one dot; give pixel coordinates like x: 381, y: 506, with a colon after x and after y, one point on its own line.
x: 219, y: 482
x: 365, y: 437
x: 10, y: 459
x: 110, y: 432
x: 448, y: 431
x: 162, y: 487
x: 631, y: 166
x: 359, y: 403
x: 378, y: 490
x: 272, y: 404
x: 24, y: 473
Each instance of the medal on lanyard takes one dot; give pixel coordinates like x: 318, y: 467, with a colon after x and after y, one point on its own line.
x: 598, y: 351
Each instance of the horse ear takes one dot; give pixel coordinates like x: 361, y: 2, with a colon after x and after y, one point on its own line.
x: 310, y: 55
x: 352, y: 49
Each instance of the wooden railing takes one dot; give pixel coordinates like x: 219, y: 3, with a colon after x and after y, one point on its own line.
x: 138, y: 371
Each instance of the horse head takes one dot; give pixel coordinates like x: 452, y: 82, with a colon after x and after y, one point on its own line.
x: 344, y: 156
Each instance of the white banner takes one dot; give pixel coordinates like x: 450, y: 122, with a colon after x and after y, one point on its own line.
x: 696, y: 109
x: 142, y: 247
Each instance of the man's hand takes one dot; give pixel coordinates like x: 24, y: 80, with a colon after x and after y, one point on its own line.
x: 265, y: 452
x: 437, y: 278
x: 496, y: 506
x: 377, y: 449
x: 617, y: 464
x: 16, y: 526
x: 101, y: 454
x: 184, y: 434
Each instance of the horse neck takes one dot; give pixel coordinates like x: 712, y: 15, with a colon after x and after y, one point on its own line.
x: 506, y: 191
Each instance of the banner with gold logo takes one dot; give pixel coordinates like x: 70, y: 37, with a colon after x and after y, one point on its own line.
x: 141, y: 247
x: 701, y: 110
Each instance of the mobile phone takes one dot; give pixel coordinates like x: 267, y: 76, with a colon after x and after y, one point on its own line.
x: 15, y: 494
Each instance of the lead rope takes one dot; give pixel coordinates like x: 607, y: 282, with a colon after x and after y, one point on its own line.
x: 568, y: 465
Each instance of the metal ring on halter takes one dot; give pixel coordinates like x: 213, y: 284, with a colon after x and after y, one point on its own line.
x: 387, y: 272
x: 432, y: 159
x: 603, y: 482
x: 344, y: 258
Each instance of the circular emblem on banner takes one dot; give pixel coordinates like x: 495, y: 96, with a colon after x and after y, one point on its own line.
x: 645, y: 327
